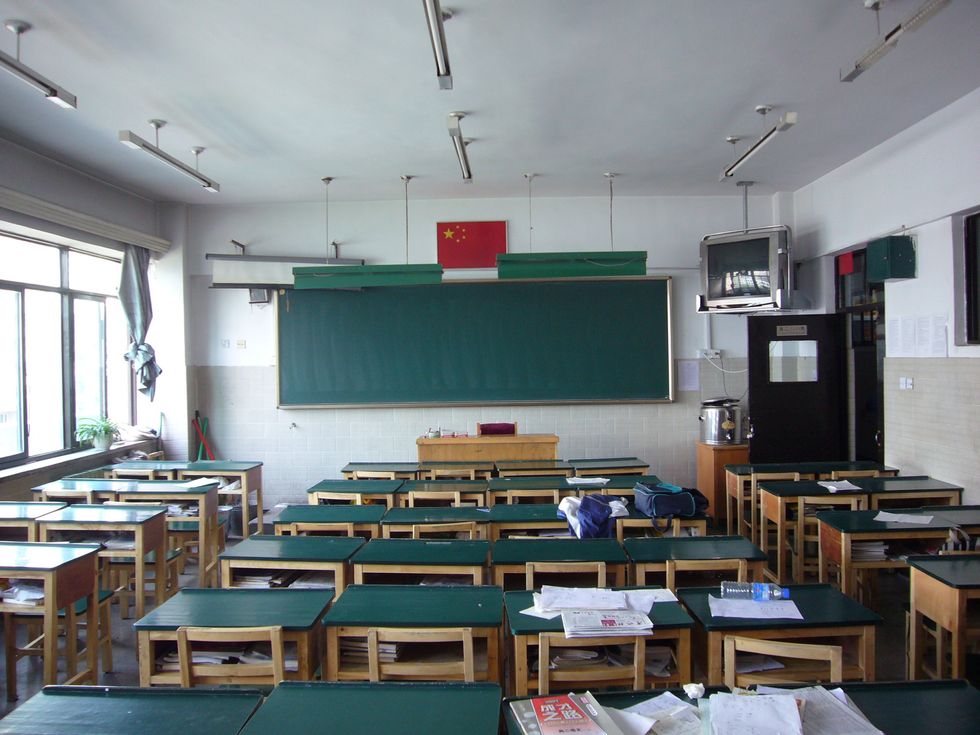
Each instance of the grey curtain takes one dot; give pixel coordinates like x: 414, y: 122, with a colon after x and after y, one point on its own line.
x: 134, y: 295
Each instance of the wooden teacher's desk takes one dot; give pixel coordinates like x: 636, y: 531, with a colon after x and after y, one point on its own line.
x: 413, y: 607
x: 68, y: 573
x: 942, y: 589
x: 269, y: 554
x: 488, y: 448
x: 827, y: 614
x: 61, y: 710
x: 420, y: 557
x: 299, y: 612
x: 23, y: 516
x: 351, y: 708
x: 671, y: 626
x: 841, y: 529
x: 348, y: 518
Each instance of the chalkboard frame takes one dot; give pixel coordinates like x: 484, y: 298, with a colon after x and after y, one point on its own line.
x: 284, y: 295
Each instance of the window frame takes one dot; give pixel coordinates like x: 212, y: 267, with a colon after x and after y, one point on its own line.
x: 68, y: 299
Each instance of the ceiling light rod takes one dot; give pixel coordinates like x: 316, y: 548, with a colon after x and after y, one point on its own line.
x: 434, y: 18
x: 609, y: 177
x: 326, y: 218
x: 132, y: 140
x: 459, y: 143
x: 890, y: 39
x: 744, y: 186
x: 784, y: 123
x: 42, y: 84
x: 406, y: 178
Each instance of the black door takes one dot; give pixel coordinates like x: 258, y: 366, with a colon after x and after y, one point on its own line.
x: 797, y: 388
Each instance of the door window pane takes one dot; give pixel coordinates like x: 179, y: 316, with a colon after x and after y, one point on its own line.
x: 793, y: 361
x: 45, y: 396
x: 11, y: 410
x: 91, y: 273
x: 89, y: 363
x: 28, y: 262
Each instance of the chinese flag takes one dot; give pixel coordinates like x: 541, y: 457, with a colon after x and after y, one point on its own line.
x: 471, y: 244
x: 845, y: 264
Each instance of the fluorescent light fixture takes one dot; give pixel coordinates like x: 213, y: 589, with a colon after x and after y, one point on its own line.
x: 434, y: 17
x: 459, y: 143
x: 890, y: 39
x: 263, y: 271
x: 783, y: 124
x: 42, y: 84
x: 132, y: 140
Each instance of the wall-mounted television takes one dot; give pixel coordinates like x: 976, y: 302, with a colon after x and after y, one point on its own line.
x: 746, y: 270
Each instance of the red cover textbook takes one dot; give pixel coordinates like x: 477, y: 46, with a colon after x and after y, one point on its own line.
x: 471, y: 244
x: 554, y: 715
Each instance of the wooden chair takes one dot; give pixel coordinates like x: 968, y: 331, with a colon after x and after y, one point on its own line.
x: 812, y: 652
x: 316, y: 529
x: 461, y: 669
x: 514, y: 497
x: 756, y: 523
x: 454, y: 498
x: 564, y: 567
x: 512, y: 428
x: 631, y: 675
x: 373, y: 475
x: 122, y: 570
x: 191, y: 674
x: 450, y: 473
x: 427, y: 530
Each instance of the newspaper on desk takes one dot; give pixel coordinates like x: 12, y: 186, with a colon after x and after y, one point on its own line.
x: 772, y: 610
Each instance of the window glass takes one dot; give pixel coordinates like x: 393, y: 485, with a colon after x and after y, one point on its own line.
x: 119, y: 381
x: 793, y: 361
x: 43, y: 355
x: 91, y: 273
x: 29, y: 262
x: 89, y: 358
x: 11, y: 410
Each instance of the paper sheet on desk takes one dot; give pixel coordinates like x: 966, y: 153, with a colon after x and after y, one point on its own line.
x: 644, y: 600
x: 774, y: 610
x: 759, y: 715
x: 586, y: 480
x: 838, y: 486
x: 671, y: 715
x: 629, y: 722
x: 886, y: 517
x: 826, y: 712
x: 581, y: 598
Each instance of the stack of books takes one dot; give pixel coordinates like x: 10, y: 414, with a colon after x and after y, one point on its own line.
x: 355, y: 651
x: 562, y: 714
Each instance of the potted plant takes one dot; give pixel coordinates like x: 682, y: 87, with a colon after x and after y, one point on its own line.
x: 101, y: 432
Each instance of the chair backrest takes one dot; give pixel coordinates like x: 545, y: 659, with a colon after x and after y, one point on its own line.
x: 499, y: 428
x: 514, y: 497
x: 444, y: 497
x: 434, y: 529
x: 324, y: 529
x: 758, y: 477
x: 816, y: 652
x: 844, y: 474
x: 630, y: 673
x: 564, y: 567
x: 438, y: 669
x: 450, y: 473
x: 271, y: 672
x: 373, y: 475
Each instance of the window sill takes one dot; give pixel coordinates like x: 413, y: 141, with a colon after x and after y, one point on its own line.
x: 68, y: 464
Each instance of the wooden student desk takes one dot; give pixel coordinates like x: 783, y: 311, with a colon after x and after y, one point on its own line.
x: 941, y: 589
x: 840, y: 529
x: 827, y: 614
x: 896, y: 708
x: 351, y: 708
x: 618, y: 485
x: 606, y: 466
x: 363, y: 607
x: 528, y: 489
x: 23, y: 516
x: 204, y: 517
x: 299, y: 612
x: 487, y: 448
x: 357, y: 492
x: 248, y: 474
x: 738, y: 485
x: 784, y: 504
x: 354, y: 519
x: 290, y: 553
x: 421, y: 556
x: 671, y: 625
x: 473, y: 492
x: 691, y: 553
x: 146, y: 526
x: 401, y: 521
x: 510, y: 556
x: 61, y: 710
x: 381, y: 470
x: 475, y: 470
x: 525, y: 518
x: 677, y: 525
x: 88, y: 490
x: 69, y: 572
x: 533, y: 468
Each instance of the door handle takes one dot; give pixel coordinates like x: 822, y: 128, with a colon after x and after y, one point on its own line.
x: 878, y: 438
x: 751, y: 432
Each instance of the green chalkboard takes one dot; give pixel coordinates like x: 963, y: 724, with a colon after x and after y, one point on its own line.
x: 477, y: 343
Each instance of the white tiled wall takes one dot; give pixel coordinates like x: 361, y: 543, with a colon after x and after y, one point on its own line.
x: 933, y: 428
x: 302, y: 446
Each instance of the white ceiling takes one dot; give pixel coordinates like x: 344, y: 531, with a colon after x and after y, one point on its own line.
x: 284, y: 93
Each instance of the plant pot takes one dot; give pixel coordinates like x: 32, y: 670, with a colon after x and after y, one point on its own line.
x: 102, y: 441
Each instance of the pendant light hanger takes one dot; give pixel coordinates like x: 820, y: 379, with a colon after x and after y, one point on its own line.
x: 326, y: 217
x: 529, y: 177
x: 26, y: 74
x: 406, y: 178
x: 609, y: 177
x: 132, y: 140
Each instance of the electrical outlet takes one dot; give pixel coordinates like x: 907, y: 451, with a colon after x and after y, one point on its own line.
x: 240, y: 344
x: 226, y: 343
x: 710, y: 354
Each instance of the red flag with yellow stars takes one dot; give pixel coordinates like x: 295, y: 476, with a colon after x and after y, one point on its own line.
x: 471, y: 244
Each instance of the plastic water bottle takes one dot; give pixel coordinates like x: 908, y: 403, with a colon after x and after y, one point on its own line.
x: 758, y: 591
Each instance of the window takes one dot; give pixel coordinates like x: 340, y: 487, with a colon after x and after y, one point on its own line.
x: 971, y: 241
x: 64, y: 336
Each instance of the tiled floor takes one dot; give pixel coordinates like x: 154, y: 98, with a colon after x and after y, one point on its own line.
x: 890, y: 643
